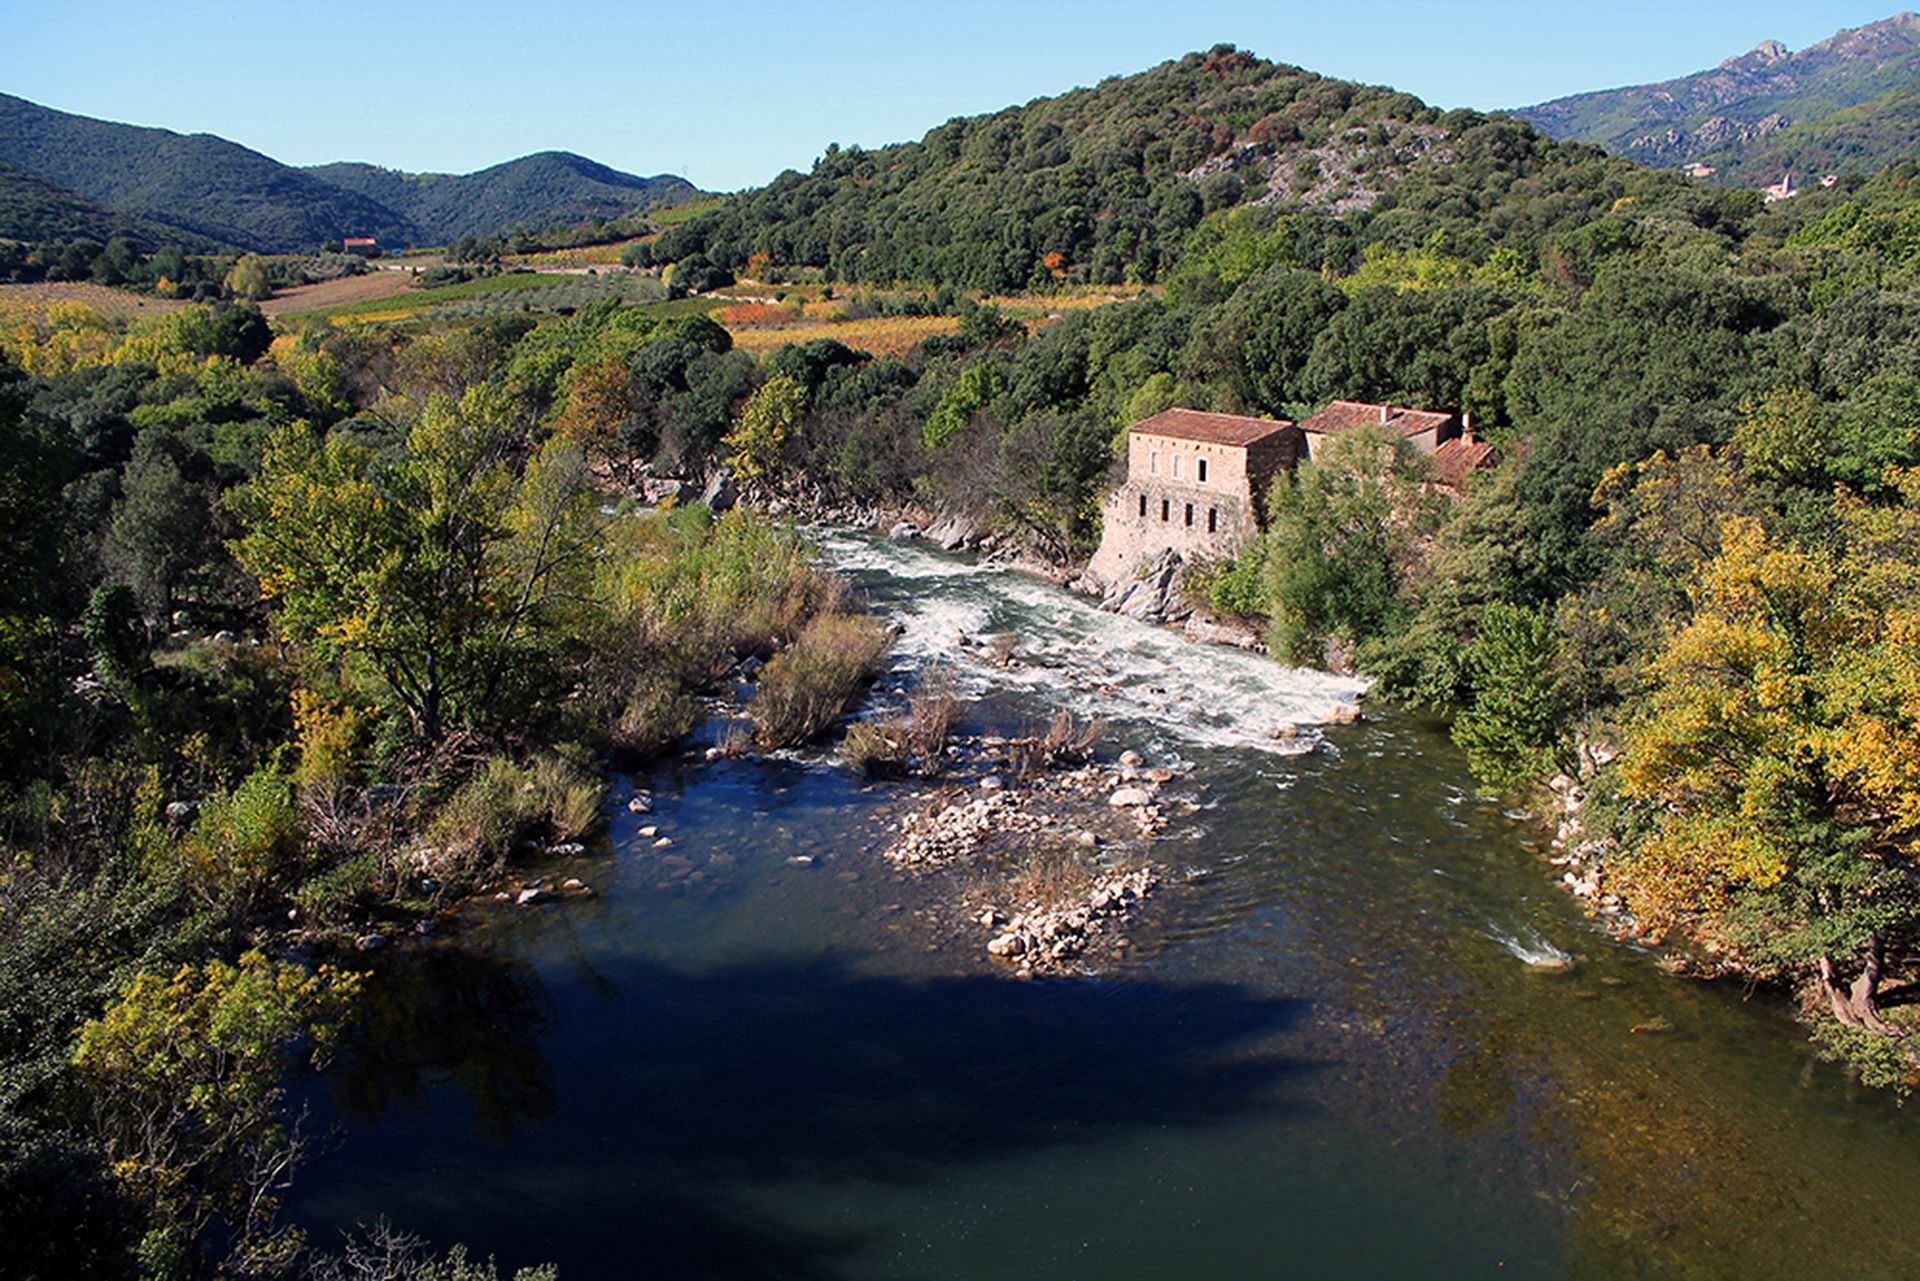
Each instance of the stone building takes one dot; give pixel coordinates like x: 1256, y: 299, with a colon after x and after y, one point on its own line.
x: 1194, y: 485
x: 1425, y: 429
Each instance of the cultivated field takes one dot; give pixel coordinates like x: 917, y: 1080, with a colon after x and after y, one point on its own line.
x: 331, y: 294
x: 881, y: 335
x: 497, y: 295
x: 114, y: 304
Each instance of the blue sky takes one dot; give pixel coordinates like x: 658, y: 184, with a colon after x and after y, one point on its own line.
x: 730, y: 93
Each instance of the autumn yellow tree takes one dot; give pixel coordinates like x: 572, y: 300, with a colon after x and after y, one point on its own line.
x: 1778, y: 756
x: 765, y: 422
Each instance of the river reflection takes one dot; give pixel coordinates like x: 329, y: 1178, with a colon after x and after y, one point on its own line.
x: 778, y: 1057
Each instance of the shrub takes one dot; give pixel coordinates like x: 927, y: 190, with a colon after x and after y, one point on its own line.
x: 810, y: 683
x: 186, y: 1072
x: 503, y: 804
x: 332, y: 741
x: 244, y: 838
x: 1065, y: 741
x: 567, y: 795
x: 332, y: 897
x: 912, y: 741
x: 1239, y: 587
x: 657, y: 713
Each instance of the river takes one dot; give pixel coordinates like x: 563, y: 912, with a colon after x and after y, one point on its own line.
x: 1323, y: 1053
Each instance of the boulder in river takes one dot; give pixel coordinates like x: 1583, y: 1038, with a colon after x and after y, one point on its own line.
x: 1129, y: 797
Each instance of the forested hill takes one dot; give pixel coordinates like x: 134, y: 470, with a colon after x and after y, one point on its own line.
x: 195, y: 182
x: 219, y: 190
x: 1735, y: 114
x: 536, y: 191
x: 35, y: 210
x: 1105, y: 184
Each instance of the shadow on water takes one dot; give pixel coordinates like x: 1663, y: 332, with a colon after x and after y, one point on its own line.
x: 667, y: 1095
x: 449, y: 1016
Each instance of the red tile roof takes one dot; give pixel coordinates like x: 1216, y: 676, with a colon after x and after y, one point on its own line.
x: 1342, y: 414
x: 1459, y: 456
x: 1213, y: 429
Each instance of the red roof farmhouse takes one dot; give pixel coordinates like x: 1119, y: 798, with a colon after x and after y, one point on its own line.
x: 1196, y: 480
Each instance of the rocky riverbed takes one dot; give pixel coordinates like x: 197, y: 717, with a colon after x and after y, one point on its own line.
x: 1050, y: 864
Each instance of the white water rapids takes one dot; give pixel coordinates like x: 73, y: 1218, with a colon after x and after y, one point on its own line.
x: 1072, y: 655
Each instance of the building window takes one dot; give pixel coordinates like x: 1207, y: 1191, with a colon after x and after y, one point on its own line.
x: 1165, y: 508
x: 1153, y: 463
x: 1213, y: 520
x: 1203, y: 471
x: 1189, y: 515
x: 1143, y: 507
x: 1176, y: 467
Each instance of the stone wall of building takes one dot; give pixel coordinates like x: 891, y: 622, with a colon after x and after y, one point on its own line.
x: 1196, y: 498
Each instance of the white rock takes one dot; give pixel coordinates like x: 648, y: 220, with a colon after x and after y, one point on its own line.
x: 1127, y: 797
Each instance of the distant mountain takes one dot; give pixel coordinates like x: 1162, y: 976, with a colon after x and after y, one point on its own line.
x: 34, y: 209
x: 196, y: 182
x: 1738, y: 115
x: 207, y: 186
x: 540, y: 190
x: 1857, y: 139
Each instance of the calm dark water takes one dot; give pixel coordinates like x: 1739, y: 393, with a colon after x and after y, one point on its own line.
x: 1323, y: 1055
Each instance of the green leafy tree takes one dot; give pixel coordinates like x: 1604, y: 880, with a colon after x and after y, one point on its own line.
x: 1344, y: 534
x: 1515, y: 727
x: 1777, y: 753
x: 162, y: 532
x: 455, y: 577
x: 248, y: 280
x: 760, y: 433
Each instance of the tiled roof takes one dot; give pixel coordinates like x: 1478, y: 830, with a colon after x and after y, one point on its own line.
x: 1342, y: 414
x: 1213, y: 429
x: 1459, y: 456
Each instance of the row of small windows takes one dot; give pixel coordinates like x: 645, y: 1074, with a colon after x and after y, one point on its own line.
x: 1153, y: 466
x: 1166, y: 513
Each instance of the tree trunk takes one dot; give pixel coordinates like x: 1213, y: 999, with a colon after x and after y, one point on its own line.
x: 1855, y: 1004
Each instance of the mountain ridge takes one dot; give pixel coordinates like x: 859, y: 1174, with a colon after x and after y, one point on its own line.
x: 1730, y: 112
x: 208, y: 188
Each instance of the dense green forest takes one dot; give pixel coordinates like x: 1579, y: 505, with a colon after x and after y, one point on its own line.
x: 1853, y: 140
x: 197, y: 183
x: 1107, y: 184
x: 547, y: 188
x: 304, y: 636
x: 33, y: 209
x: 206, y: 189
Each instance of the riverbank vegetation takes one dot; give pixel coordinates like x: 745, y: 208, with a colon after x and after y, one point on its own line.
x: 298, y: 644
x: 304, y: 634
